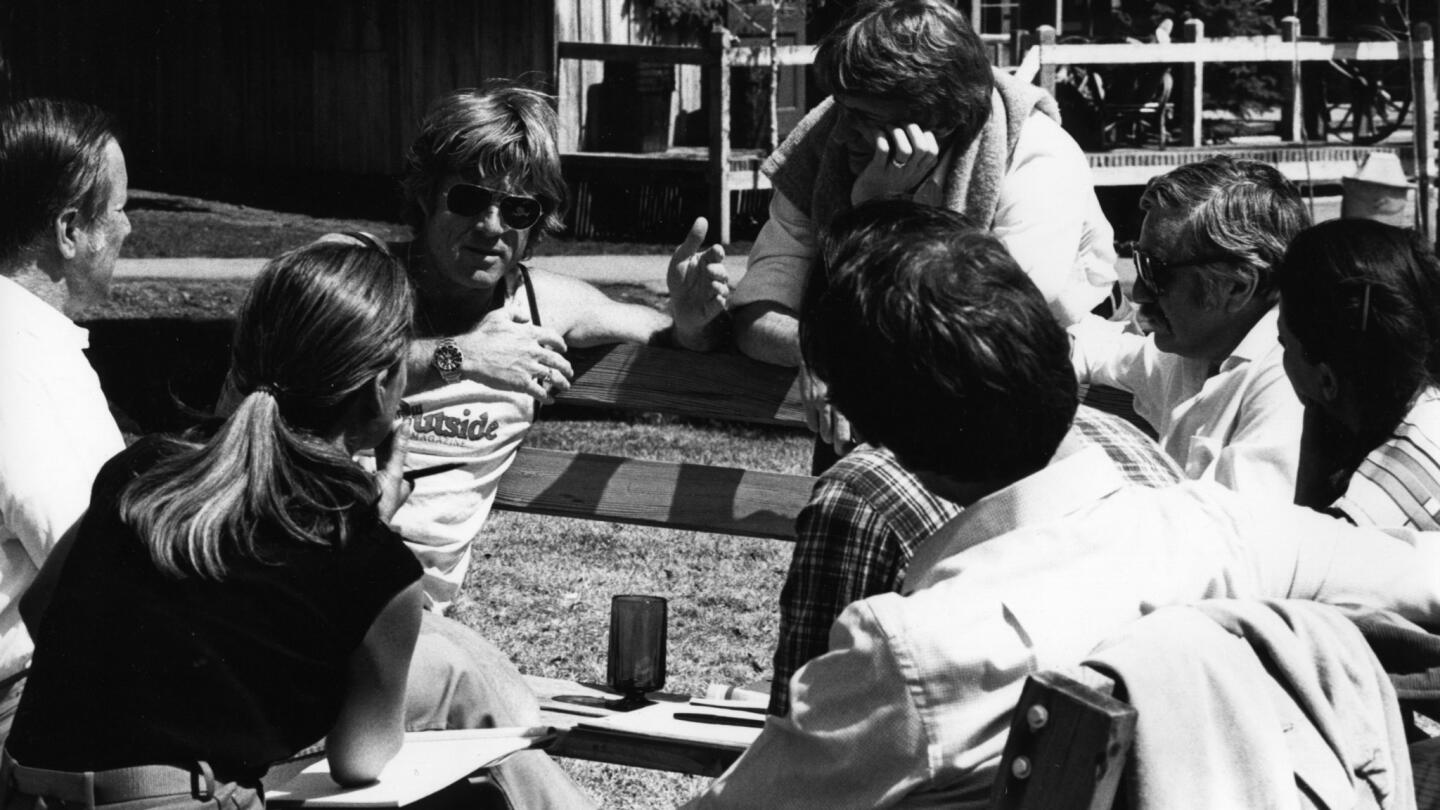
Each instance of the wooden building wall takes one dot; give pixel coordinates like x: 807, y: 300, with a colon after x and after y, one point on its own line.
x: 269, y: 87
x: 611, y: 22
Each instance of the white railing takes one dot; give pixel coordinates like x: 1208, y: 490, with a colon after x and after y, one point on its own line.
x: 1039, y: 64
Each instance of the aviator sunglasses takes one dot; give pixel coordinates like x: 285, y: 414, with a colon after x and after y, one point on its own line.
x: 1157, y: 273
x: 469, y: 200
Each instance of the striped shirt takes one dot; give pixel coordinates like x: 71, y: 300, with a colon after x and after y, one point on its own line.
x: 1398, y: 484
x: 865, y: 518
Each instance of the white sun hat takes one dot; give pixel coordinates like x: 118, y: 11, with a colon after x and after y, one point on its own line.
x: 1380, y: 191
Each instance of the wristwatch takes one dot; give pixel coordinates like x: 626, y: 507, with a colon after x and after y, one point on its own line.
x: 447, y: 360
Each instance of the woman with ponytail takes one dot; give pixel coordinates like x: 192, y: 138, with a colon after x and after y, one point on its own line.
x: 234, y: 595
x: 1360, y: 323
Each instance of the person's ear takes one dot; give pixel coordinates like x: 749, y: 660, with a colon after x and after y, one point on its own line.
x: 68, y: 233
x: 388, y: 387
x: 375, y: 392
x: 1239, y: 292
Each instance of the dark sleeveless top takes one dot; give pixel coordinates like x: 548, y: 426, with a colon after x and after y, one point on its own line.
x: 135, y: 668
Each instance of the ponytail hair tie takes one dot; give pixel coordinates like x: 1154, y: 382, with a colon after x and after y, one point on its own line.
x: 267, y: 388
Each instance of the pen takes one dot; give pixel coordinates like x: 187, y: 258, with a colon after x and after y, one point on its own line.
x: 721, y: 720
x: 411, y: 475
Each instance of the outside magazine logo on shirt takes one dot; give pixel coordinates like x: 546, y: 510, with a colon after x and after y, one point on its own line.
x: 452, y: 429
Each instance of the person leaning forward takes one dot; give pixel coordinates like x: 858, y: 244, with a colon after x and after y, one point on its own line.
x: 917, y: 111
x: 868, y: 513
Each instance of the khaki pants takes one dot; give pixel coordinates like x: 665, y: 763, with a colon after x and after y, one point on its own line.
x: 459, y: 680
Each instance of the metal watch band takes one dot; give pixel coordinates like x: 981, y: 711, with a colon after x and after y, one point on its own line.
x: 447, y: 360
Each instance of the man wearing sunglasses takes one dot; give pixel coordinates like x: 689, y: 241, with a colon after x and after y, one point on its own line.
x: 1208, y: 376
x: 482, y: 187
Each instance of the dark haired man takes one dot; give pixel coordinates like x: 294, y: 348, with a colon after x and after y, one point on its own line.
x: 916, y: 111
x: 940, y: 349
x: 1209, y: 376
x: 868, y: 513
x: 62, y: 218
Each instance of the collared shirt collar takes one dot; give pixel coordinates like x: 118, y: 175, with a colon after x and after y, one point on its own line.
x: 1062, y: 487
x: 26, y: 313
x: 1258, y: 342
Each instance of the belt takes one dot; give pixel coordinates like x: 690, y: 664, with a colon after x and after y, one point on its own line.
x: 93, y: 788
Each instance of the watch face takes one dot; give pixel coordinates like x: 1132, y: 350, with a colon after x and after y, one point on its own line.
x: 447, y: 358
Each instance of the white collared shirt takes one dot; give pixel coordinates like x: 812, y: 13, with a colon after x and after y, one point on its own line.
x: 911, y: 706
x: 1239, y: 427
x: 1048, y: 217
x: 55, y: 433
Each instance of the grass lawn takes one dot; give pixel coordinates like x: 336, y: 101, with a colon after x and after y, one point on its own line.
x: 540, y: 587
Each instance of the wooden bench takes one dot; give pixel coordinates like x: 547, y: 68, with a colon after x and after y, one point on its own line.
x: 1076, y: 753
x: 685, y: 496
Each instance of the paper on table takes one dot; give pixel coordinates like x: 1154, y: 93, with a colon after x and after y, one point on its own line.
x: 429, y: 761
x: 659, y: 721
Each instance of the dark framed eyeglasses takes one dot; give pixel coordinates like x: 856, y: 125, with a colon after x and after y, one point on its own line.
x: 470, y: 200
x: 1157, y: 273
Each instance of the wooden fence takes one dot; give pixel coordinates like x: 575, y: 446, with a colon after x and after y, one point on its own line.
x: 1039, y: 64
x: 720, y: 54
x: 1194, y: 51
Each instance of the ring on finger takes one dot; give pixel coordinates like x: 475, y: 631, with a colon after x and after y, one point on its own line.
x: 544, y: 378
x: 897, y: 164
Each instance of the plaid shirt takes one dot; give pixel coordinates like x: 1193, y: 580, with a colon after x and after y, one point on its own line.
x: 864, y: 520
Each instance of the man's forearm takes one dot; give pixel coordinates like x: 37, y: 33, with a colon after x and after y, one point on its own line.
x: 768, y: 332
x: 418, y: 362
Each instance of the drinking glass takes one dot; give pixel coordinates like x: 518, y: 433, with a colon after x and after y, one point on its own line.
x: 636, y: 661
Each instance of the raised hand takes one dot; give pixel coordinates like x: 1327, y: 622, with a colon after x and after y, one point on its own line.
x: 699, y: 286
x: 903, y: 159
x: 508, y: 352
x: 390, y: 471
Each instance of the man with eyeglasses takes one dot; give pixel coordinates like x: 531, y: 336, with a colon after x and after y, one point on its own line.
x: 1208, y: 375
